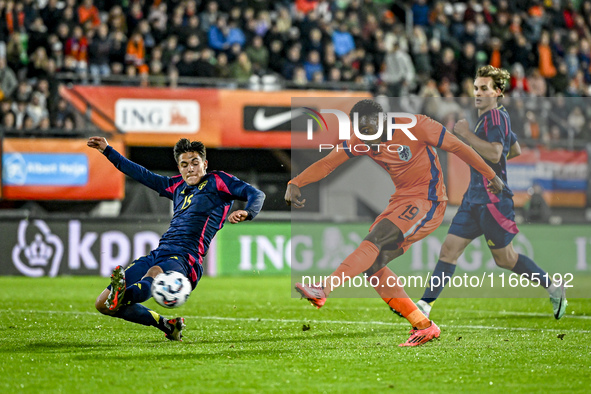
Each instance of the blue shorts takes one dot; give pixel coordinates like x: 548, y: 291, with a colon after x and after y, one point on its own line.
x: 495, y: 220
x: 168, y: 261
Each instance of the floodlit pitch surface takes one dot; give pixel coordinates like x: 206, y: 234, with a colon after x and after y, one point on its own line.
x: 249, y: 335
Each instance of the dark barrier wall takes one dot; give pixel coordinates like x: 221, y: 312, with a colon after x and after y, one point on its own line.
x: 74, y: 247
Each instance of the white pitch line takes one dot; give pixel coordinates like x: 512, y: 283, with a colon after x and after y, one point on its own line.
x: 375, y: 323
x: 512, y: 313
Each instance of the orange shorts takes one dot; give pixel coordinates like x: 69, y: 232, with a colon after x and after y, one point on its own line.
x: 415, y: 217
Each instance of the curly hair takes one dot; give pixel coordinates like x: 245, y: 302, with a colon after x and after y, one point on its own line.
x: 184, y: 146
x: 367, y: 108
x: 499, y: 76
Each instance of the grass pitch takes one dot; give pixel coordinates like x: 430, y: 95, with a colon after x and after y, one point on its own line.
x: 249, y: 335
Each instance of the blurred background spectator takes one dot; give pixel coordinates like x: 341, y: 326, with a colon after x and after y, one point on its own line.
x: 412, y: 47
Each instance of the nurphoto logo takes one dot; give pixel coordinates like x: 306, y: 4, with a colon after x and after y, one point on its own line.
x: 344, y: 124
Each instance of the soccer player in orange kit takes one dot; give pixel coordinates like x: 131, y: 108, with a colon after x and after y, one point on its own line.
x: 414, y: 211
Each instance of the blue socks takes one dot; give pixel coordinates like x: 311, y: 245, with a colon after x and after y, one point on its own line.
x: 526, y: 266
x: 138, y: 292
x: 137, y: 313
x: 442, y: 275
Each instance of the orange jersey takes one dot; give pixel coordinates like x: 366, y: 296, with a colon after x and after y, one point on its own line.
x: 413, y: 165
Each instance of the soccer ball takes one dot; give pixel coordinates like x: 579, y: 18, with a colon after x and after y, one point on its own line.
x: 171, y: 289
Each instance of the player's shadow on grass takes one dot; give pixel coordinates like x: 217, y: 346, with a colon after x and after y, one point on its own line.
x: 303, y: 336
x: 55, y: 347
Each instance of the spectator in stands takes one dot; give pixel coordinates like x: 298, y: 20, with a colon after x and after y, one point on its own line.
x: 545, y: 60
x: 518, y: 83
x: 313, y: 65
x: 36, y: 109
x: 51, y: 15
x: 276, y: 56
x: 342, y: 40
x: 136, y: 53
x: 9, y: 120
x: 560, y: 82
x: 171, y: 52
x: 399, y: 72
x: 420, y: 13
x: 576, y: 122
x: 537, y: 84
x: 69, y: 123
x: 19, y: 108
x: 299, y: 76
x: 467, y: 65
x: 447, y: 67
x: 76, y: 50
x: 221, y: 36
x: 209, y: 17
x: 293, y: 60
x: 222, y: 70
x: 39, y: 64
x: 37, y: 35
x: 205, y: 65
x: 157, y: 73
x: 134, y: 16
x: 99, y: 52
x: 8, y: 81
x: 241, y: 69
x: 186, y: 67
x: 258, y: 54
x: 16, y: 52
x: 117, y: 21
x: 87, y: 11
x: 536, y: 209
x: 23, y: 91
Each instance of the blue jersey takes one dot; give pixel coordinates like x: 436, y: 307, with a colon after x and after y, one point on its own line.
x: 492, y: 126
x: 199, y: 211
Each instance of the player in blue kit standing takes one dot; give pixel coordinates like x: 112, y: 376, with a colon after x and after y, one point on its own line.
x: 201, y: 205
x: 482, y: 212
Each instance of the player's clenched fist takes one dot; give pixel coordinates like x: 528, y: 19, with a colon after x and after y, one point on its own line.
x: 462, y: 128
x: 292, y: 196
x: 99, y: 143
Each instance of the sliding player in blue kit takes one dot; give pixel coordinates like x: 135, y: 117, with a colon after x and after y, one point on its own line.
x: 201, y: 205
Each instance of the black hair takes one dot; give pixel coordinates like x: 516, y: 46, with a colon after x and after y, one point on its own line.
x: 367, y: 108
x: 184, y: 146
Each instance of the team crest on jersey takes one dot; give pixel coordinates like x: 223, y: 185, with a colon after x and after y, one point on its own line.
x: 202, y: 185
x: 404, y: 153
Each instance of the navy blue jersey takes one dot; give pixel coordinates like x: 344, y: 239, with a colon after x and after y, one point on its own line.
x: 492, y: 126
x: 199, y: 211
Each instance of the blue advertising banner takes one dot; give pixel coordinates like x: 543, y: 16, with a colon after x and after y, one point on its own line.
x: 45, y: 169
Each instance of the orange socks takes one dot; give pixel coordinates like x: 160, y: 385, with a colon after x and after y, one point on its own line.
x: 360, y: 260
x: 396, y: 298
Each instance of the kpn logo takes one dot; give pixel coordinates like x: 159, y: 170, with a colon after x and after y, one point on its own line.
x: 386, y: 122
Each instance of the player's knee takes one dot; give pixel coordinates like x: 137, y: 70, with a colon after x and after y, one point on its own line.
x: 504, y: 261
x: 382, y: 238
x: 154, y: 271
x: 374, y: 268
x: 448, y: 253
x: 100, y: 306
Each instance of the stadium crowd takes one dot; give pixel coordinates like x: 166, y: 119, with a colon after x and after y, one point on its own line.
x: 369, y: 44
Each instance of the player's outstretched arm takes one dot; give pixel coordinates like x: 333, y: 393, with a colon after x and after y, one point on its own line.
x: 491, y: 151
x: 98, y: 143
x: 237, y: 216
x: 314, y: 173
x: 137, y: 172
x: 293, y: 195
x: 452, y: 144
x: 514, y: 151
